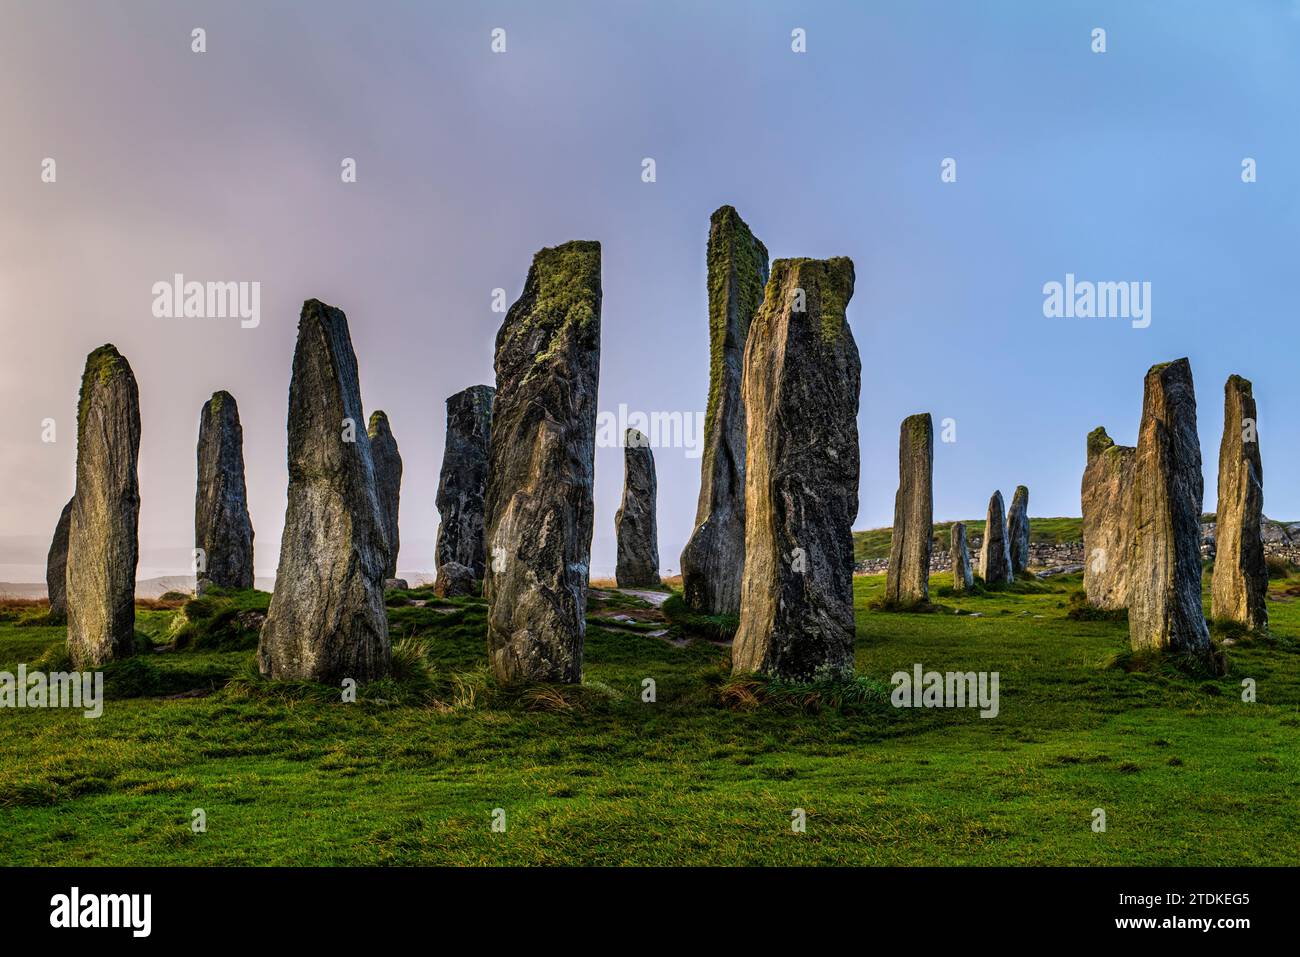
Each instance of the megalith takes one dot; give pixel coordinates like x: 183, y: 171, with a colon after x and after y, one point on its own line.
x: 1164, y: 587
x: 223, y: 533
x: 103, y: 544
x: 714, y: 556
x: 388, y: 481
x: 1107, y: 499
x: 56, y: 567
x: 959, y: 554
x: 634, y: 523
x: 327, y: 621
x: 995, y: 551
x: 800, y: 390
x: 908, y: 580
x: 1018, y: 530
x: 1239, y: 585
x: 538, y: 507
x: 463, y: 480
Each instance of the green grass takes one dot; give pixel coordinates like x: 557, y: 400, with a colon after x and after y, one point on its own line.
x: 874, y: 542
x: 707, y: 774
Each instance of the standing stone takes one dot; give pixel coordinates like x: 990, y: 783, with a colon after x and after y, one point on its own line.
x: 221, y: 525
x: 327, y: 619
x: 1240, y: 582
x: 1107, y: 498
x: 538, y: 506
x: 388, y: 481
x: 800, y: 389
x: 1018, y: 530
x: 634, y: 523
x: 1164, y: 588
x: 463, y: 481
x: 714, y: 557
x: 962, y: 579
x: 56, y: 567
x: 908, y: 580
x: 103, y: 546
x: 995, y: 552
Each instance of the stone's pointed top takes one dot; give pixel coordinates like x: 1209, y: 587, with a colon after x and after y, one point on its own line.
x: 635, y: 439
x: 1022, y: 492
x: 379, y: 424
x: 827, y: 285
x: 1098, y: 442
x: 103, y: 366
x: 474, y: 392
x: 1177, y: 367
x: 996, y: 497
x: 1238, y: 383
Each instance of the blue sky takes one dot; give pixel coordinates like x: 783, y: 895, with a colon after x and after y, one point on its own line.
x: 1122, y: 166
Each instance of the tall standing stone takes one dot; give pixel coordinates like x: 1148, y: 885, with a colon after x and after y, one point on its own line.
x: 103, y: 546
x: 222, y: 528
x: 714, y: 557
x: 539, y: 506
x: 388, y: 481
x: 1107, y: 498
x: 463, y: 480
x: 1239, y: 585
x: 908, y: 580
x: 1018, y: 530
x: 634, y: 523
x: 1164, y: 588
x: 959, y: 553
x: 327, y: 619
x: 995, y: 552
x: 56, y: 567
x: 800, y: 388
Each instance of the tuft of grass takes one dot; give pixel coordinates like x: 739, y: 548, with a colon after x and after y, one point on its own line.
x: 848, y: 694
x: 689, y: 623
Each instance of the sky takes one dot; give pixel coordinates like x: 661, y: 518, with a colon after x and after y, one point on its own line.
x: 225, y: 165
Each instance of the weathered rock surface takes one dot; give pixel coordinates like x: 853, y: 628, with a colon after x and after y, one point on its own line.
x: 454, y: 579
x: 539, y: 508
x: 463, y: 481
x: 327, y: 619
x: 995, y: 552
x: 388, y: 481
x: 714, y: 556
x: 400, y: 584
x: 56, y: 566
x: 800, y: 389
x: 908, y: 580
x: 962, y: 578
x: 103, y: 546
x: 1239, y: 585
x: 222, y: 528
x: 1107, y: 499
x: 1018, y: 530
x: 1164, y: 587
x: 635, y: 526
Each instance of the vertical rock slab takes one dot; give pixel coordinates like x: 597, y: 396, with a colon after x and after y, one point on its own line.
x: 538, y: 506
x: 1018, y: 530
x: 103, y: 546
x: 995, y: 551
x: 56, y: 567
x: 908, y: 580
x: 714, y: 556
x: 635, y: 525
x: 800, y: 389
x: 462, y: 483
x: 388, y: 481
x: 222, y: 528
x: 1107, y: 499
x: 1164, y: 587
x: 327, y: 619
x: 1239, y: 585
x: 959, y: 553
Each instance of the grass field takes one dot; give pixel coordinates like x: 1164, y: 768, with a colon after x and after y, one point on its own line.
x: 708, y: 774
x: 874, y: 542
